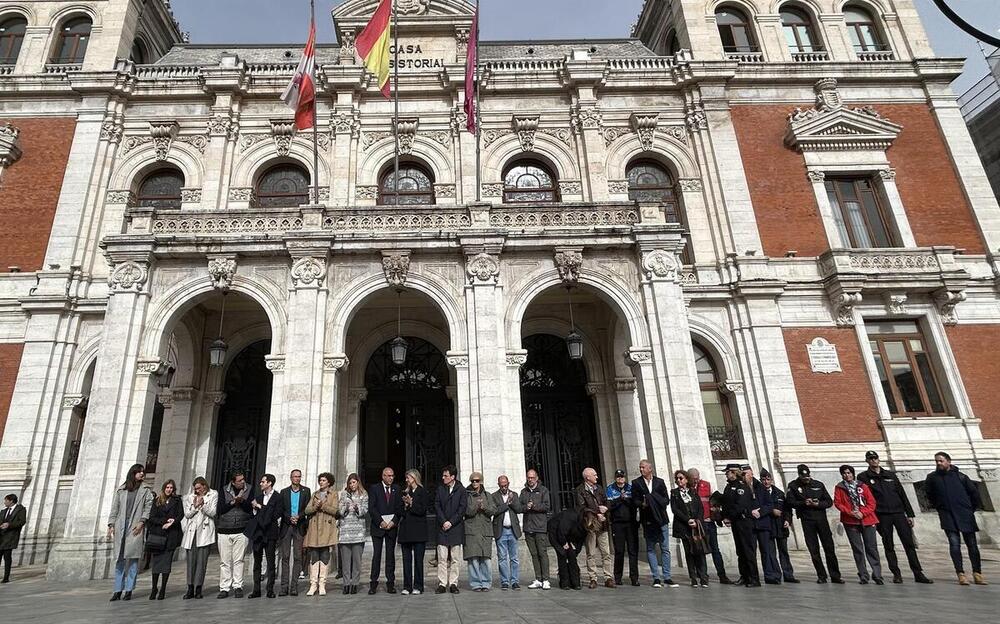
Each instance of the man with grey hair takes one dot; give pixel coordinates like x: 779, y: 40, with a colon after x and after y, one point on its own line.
x: 592, y: 503
x: 506, y: 532
x: 536, y: 503
x: 652, y: 496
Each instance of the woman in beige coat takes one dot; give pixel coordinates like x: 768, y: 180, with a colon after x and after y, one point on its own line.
x: 322, y: 532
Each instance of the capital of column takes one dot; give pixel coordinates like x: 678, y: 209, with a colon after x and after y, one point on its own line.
x: 639, y: 356
x: 458, y: 359
x: 73, y: 401
x: 357, y: 395
x: 625, y: 384
x: 184, y: 394
x: 335, y: 362
x: 517, y: 357
x: 275, y: 363
x: 217, y: 397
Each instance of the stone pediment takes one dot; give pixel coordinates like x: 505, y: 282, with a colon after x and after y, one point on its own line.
x: 364, y: 9
x: 831, y: 126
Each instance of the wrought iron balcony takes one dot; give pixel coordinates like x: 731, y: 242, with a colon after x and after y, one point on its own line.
x: 726, y: 442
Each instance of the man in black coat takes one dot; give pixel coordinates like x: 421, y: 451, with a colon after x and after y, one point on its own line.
x: 567, y: 535
x: 449, y: 508
x: 956, y: 499
x: 294, y: 525
x: 894, y: 514
x: 385, y: 506
x: 810, y: 500
x: 263, y: 531
x: 652, y: 498
x: 745, y: 510
x: 12, y: 520
x: 780, y: 520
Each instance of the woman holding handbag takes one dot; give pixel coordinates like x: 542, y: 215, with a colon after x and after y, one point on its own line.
x: 163, y: 536
x: 688, y: 510
x: 200, y: 508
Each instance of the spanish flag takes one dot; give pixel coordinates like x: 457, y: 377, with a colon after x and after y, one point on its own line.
x: 373, y: 45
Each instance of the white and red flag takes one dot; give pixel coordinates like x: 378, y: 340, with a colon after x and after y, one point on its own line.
x: 300, y: 95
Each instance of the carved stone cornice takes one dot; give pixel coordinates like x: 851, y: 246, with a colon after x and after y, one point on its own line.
x: 396, y: 266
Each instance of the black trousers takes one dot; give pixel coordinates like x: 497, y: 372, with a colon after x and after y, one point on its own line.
x: 389, y: 539
x: 6, y: 555
x: 569, y: 569
x: 697, y: 564
x: 889, y: 522
x: 413, y: 565
x: 787, y: 571
x: 261, y: 550
x: 746, y: 550
x: 816, y: 533
x: 625, y: 536
x: 768, y: 555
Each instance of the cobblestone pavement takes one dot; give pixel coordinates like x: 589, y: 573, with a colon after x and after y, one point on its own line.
x: 33, y: 599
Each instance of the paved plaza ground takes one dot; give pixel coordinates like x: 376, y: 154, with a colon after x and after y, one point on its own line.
x: 31, y: 598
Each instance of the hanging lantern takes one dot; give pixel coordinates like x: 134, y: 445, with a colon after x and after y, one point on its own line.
x: 217, y: 350
x: 399, y: 347
x: 167, y: 377
x: 574, y: 342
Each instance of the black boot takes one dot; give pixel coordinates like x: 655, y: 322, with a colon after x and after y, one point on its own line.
x: 152, y: 594
x: 189, y: 593
x: 127, y: 596
x: 197, y: 592
x: 115, y: 596
x: 163, y: 587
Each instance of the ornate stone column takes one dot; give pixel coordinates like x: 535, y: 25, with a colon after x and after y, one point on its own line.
x: 328, y: 436
x: 350, y: 433
x: 177, y: 422
x: 634, y: 438
x: 514, y: 442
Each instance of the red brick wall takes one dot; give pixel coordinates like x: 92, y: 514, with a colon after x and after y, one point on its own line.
x: 785, y: 205
x: 836, y: 407
x: 10, y: 361
x: 29, y: 190
x: 974, y: 347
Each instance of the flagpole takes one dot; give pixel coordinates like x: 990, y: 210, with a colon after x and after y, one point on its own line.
x: 395, y: 114
x: 479, y: 117
x: 312, y: 25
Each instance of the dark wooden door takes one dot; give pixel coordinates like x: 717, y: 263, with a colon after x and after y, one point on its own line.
x: 241, y: 435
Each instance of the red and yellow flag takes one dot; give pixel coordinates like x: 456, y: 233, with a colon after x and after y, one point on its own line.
x: 373, y: 45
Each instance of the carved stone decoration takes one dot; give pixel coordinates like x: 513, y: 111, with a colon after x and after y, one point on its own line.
x: 493, y: 189
x: 517, y: 358
x: 347, y: 47
x: 462, y: 41
x: 457, y: 359
x: 72, y: 401
x: 492, y: 135
x: 249, y: 140
x: 148, y: 367
x: 689, y: 185
x: 946, y: 301
x: 731, y: 387
x: 645, y: 125
x: 459, y: 121
x: 887, y: 173
x: 346, y: 122
x: 412, y: 7
x: 816, y: 176
x: 613, y: 133
x: 357, y: 395
x: 832, y: 126
x: 570, y: 187
x: 222, y: 270
x: 396, y: 266
x: 843, y: 307
x: 445, y: 191
x: 190, y: 196
x: 618, y: 187
x: 696, y: 119
x: 163, y: 134
x: 637, y: 355
x: 483, y: 268
x: 594, y: 388
x: 217, y: 397
x: 197, y: 141
x: 120, y: 197
x: 559, y: 134
x: 895, y: 303
x: 308, y: 272
x: 660, y: 264
x: 274, y: 363
x: 525, y: 128
x: 366, y: 192
x: 282, y: 132
x: 220, y: 125
x: 590, y: 117
x: 241, y: 194
x: 989, y: 474
x: 407, y: 131
x: 111, y: 130
x: 625, y: 384
x: 335, y: 362
x: 128, y: 276
x: 568, y: 263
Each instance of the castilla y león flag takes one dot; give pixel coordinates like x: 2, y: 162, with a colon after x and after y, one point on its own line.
x: 300, y: 95
x: 373, y: 45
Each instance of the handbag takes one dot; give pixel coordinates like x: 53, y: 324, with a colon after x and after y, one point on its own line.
x: 698, y: 548
x: 155, y: 542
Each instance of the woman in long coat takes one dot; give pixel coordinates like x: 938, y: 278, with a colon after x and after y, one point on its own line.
x: 163, y: 535
x: 352, y: 509
x: 200, y: 508
x: 130, y: 509
x: 688, y: 511
x: 479, y: 534
x: 322, y: 532
x: 412, y: 536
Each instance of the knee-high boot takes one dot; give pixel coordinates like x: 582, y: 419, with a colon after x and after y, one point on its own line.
x: 152, y: 594
x: 313, y: 579
x: 163, y: 586
x: 322, y: 578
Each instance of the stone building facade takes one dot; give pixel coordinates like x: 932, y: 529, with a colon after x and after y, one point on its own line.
x: 765, y: 221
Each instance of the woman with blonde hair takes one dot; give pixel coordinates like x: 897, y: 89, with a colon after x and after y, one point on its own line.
x: 200, y: 508
x: 352, y: 509
x: 322, y: 532
x: 413, y: 533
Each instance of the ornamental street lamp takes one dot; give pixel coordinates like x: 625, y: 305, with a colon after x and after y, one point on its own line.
x: 217, y: 350
x: 166, y: 377
x: 574, y: 341
x: 398, y: 346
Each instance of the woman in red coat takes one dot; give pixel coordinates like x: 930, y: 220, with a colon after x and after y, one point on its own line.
x: 857, y: 513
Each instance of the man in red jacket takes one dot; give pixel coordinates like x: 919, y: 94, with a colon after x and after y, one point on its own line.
x: 711, y: 530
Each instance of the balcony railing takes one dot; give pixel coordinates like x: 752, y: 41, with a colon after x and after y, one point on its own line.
x: 725, y: 441
x: 745, y: 57
x: 873, y: 56
x: 816, y: 56
x: 6, y: 69
x: 62, y: 68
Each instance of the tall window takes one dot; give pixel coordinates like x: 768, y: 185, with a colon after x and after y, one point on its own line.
x: 863, y: 31
x: 905, y: 368
x: 11, y: 38
x: 649, y: 181
x: 800, y: 34
x: 139, y: 55
x: 735, y: 31
x: 416, y: 186
x: 858, y: 213
x: 161, y: 189
x: 283, y: 186
x: 73, y: 40
x: 529, y: 182
x: 723, y: 434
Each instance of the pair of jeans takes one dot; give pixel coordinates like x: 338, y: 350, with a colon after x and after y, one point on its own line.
x: 898, y: 522
x: 413, y: 565
x: 480, y: 572
x: 625, y: 536
x: 712, y: 541
x: 864, y: 546
x: 507, y: 559
x: 955, y: 548
x: 658, y: 535
x: 125, y: 572
x: 538, y: 546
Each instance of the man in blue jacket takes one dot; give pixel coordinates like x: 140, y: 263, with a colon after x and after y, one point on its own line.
x: 624, y: 528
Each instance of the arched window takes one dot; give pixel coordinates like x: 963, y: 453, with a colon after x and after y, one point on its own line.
x: 723, y: 433
x: 162, y: 189
x: 863, y: 30
x: 283, y: 186
x: 139, y: 54
x: 529, y: 182
x: 673, y: 45
x: 735, y: 31
x: 649, y: 181
x: 800, y: 34
x: 11, y: 38
x: 73, y: 40
x: 416, y: 186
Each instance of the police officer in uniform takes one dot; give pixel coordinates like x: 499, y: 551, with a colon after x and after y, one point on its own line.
x: 741, y: 510
x: 894, y: 514
x: 810, y: 500
x: 779, y: 525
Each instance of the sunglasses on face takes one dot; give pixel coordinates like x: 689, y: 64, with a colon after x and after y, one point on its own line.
x: 477, y: 480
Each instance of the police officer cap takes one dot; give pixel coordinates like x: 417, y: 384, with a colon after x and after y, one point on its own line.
x: 732, y: 467
x: 745, y: 467
x: 764, y: 474
x: 871, y: 455
x: 803, y: 470
x: 619, y: 473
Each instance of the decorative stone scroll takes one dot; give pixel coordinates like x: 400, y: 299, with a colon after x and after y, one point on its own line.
x: 396, y: 266
x: 637, y: 355
x: 660, y: 264
x: 843, y: 308
x: 823, y: 356
x: 407, y: 131
x: 282, y: 132
x: 335, y: 362
x: 517, y: 359
x: 525, y: 128
x: 483, y: 268
x: 222, y: 270
x: 275, y: 363
x: 308, y: 272
x: 128, y: 276
x: 946, y: 301
x: 645, y: 126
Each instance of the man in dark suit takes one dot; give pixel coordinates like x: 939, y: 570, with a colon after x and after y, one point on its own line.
x: 12, y: 520
x: 263, y: 531
x: 294, y: 524
x: 652, y: 497
x: 385, y: 505
x: 449, y: 507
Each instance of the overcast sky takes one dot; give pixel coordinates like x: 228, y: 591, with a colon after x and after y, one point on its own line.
x: 286, y: 21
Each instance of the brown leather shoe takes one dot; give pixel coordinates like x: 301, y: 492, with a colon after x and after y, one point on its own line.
x: 978, y: 579
x: 593, y: 583
x: 610, y: 584
x: 961, y: 579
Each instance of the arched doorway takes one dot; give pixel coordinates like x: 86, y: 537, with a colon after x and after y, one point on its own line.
x: 241, y: 432
x: 560, y: 435
x: 408, y: 420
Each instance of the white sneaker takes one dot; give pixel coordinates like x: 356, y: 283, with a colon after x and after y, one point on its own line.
x: 405, y: 592
x: 546, y: 585
x: 535, y: 584
x: 415, y: 592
